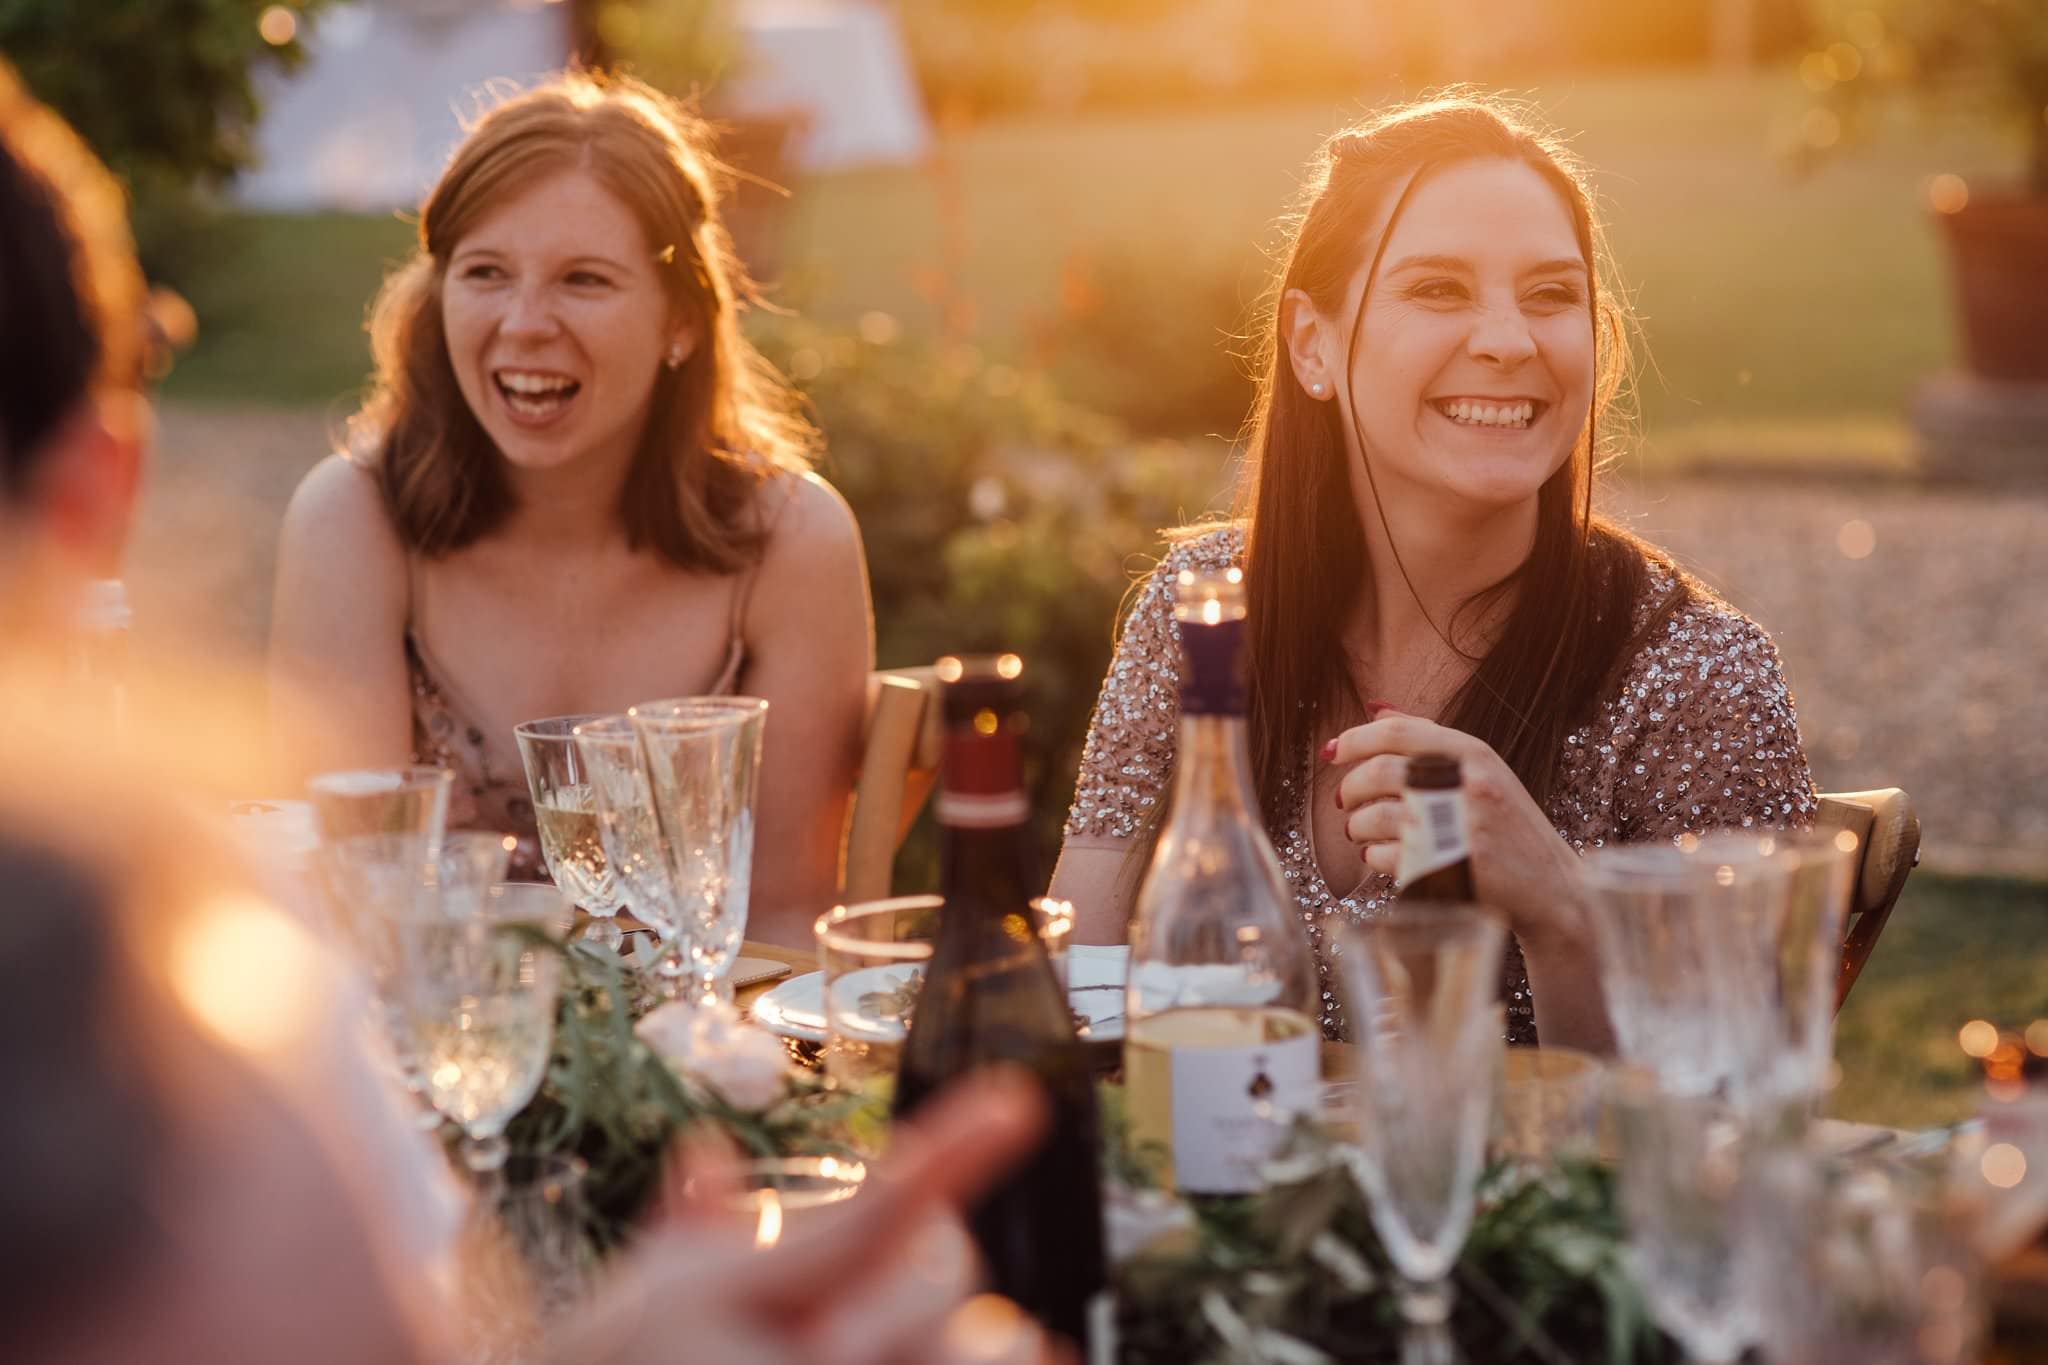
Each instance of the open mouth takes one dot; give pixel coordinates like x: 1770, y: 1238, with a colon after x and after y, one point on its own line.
x: 1510, y: 415
x: 535, y: 395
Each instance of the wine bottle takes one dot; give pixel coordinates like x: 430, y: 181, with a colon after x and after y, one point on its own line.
x: 1221, y: 1047
x: 1436, y: 850
x: 990, y: 995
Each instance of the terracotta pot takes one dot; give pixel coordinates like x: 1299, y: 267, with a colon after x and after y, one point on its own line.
x: 760, y: 148
x: 1999, y: 242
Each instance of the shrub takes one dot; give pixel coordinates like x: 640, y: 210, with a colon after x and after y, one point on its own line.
x: 997, y: 515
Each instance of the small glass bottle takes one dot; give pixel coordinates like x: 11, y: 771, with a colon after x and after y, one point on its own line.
x: 1436, y: 847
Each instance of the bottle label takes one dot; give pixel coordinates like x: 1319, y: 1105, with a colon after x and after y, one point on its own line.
x: 973, y: 810
x: 1232, y: 1106
x: 1434, y: 836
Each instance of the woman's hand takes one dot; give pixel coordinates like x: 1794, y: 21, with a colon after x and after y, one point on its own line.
x: 1522, y: 868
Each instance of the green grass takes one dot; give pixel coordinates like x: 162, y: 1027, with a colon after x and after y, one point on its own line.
x: 1767, y: 302
x: 1956, y: 949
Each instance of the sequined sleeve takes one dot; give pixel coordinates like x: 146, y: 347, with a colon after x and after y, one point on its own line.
x: 1129, y: 754
x: 1716, y: 741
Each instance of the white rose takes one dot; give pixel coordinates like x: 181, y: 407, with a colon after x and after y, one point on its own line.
x: 747, y: 1067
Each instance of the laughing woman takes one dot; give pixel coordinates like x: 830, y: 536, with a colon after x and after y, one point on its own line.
x: 1424, y: 572
x: 575, y: 487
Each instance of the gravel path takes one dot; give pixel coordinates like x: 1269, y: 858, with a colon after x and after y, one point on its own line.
x: 1913, y: 619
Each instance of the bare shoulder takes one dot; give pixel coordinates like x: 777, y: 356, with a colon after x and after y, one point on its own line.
x: 810, y: 526
x: 338, y: 508
x: 338, y: 551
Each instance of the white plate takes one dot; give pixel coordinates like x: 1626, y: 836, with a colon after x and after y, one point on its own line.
x: 1095, y: 981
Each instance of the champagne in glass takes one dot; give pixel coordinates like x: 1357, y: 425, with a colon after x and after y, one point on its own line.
x: 989, y: 995
x: 622, y: 794
x: 565, y: 810
x: 478, y: 1003
x: 1222, y: 1049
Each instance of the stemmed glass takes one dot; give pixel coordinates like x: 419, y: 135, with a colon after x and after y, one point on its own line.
x: 617, y: 770
x: 1858, y: 1262
x: 565, y: 809
x: 1681, y: 1180
x: 1428, y: 1036
x: 703, y: 757
x: 477, y: 1001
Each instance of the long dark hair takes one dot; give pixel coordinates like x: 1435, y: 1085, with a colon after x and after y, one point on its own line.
x: 1570, y: 626
x: 720, y: 424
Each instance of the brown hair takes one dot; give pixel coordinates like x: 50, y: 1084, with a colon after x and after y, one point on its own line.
x: 720, y: 424
x: 1573, y: 627
x: 71, y: 293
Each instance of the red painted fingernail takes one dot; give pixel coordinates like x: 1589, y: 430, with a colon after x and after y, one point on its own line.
x: 1330, y: 751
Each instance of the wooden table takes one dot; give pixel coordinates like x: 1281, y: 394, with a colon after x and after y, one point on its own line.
x: 799, y: 961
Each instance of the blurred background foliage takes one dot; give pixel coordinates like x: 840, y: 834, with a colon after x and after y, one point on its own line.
x: 1031, y: 516
x: 165, y: 91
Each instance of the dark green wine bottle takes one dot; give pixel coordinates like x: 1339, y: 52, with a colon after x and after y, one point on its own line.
x: 990, y: 996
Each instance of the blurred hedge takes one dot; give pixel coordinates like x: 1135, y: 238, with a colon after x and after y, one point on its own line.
x: 997, y: 515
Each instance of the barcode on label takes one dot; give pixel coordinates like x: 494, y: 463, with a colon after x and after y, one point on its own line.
x: 1443, y: 826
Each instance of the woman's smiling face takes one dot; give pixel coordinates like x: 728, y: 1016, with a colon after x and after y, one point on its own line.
x: 557, y: 323
x: 1474, y: 368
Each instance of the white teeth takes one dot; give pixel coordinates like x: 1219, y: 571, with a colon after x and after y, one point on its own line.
x: 1488, y: 414
x: 520, y: 382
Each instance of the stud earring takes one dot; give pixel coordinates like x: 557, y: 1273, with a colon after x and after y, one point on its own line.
x: 1318, y: 389
x: 674, y: 359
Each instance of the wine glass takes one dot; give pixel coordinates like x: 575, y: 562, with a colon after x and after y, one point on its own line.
x: 565, y: 809
x: 1428, y: 1036
x: 1858, y: 1261
x: 477, y: 1001
x: 1681, y: 1172
x: 617, y: 770
x: 359, y: 801
x: 703, y: 765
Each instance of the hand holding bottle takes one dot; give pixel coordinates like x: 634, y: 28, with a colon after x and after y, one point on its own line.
x: 1521, y: 866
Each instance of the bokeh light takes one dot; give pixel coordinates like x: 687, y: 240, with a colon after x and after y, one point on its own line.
x: 1948, y: 193
x: 246, y: 973
x: 278, y: 25
x: 1978, y: 1037
x: 2003, y: 1165
x: 1856, y: 539
x: 2037, y: 1037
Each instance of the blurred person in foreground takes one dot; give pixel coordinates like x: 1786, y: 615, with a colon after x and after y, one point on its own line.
x: 1425, y: 573
x: 74, y: 425
x: 576, y: 486
x: 172, y: 1187
x: 194, y: 1162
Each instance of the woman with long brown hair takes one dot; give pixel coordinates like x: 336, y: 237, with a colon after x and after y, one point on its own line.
x: 1424, y: 572
x: 576, y: 486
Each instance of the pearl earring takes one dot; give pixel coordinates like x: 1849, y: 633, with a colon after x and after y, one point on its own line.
x: 1318, y: 388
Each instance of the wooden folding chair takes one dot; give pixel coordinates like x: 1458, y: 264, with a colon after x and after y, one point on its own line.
x: 899, y: 766
x: 1888, y: 850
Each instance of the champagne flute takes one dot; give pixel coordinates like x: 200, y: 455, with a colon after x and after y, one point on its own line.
x: 565, y: 809
x: 1680, y: 1180
x: 1428, y: 1037
x: 703, y: 765
x: 612, y: 757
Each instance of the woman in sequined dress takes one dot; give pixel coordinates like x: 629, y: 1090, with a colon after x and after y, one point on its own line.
x: 577, y: 487
x: 1424, y: 571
